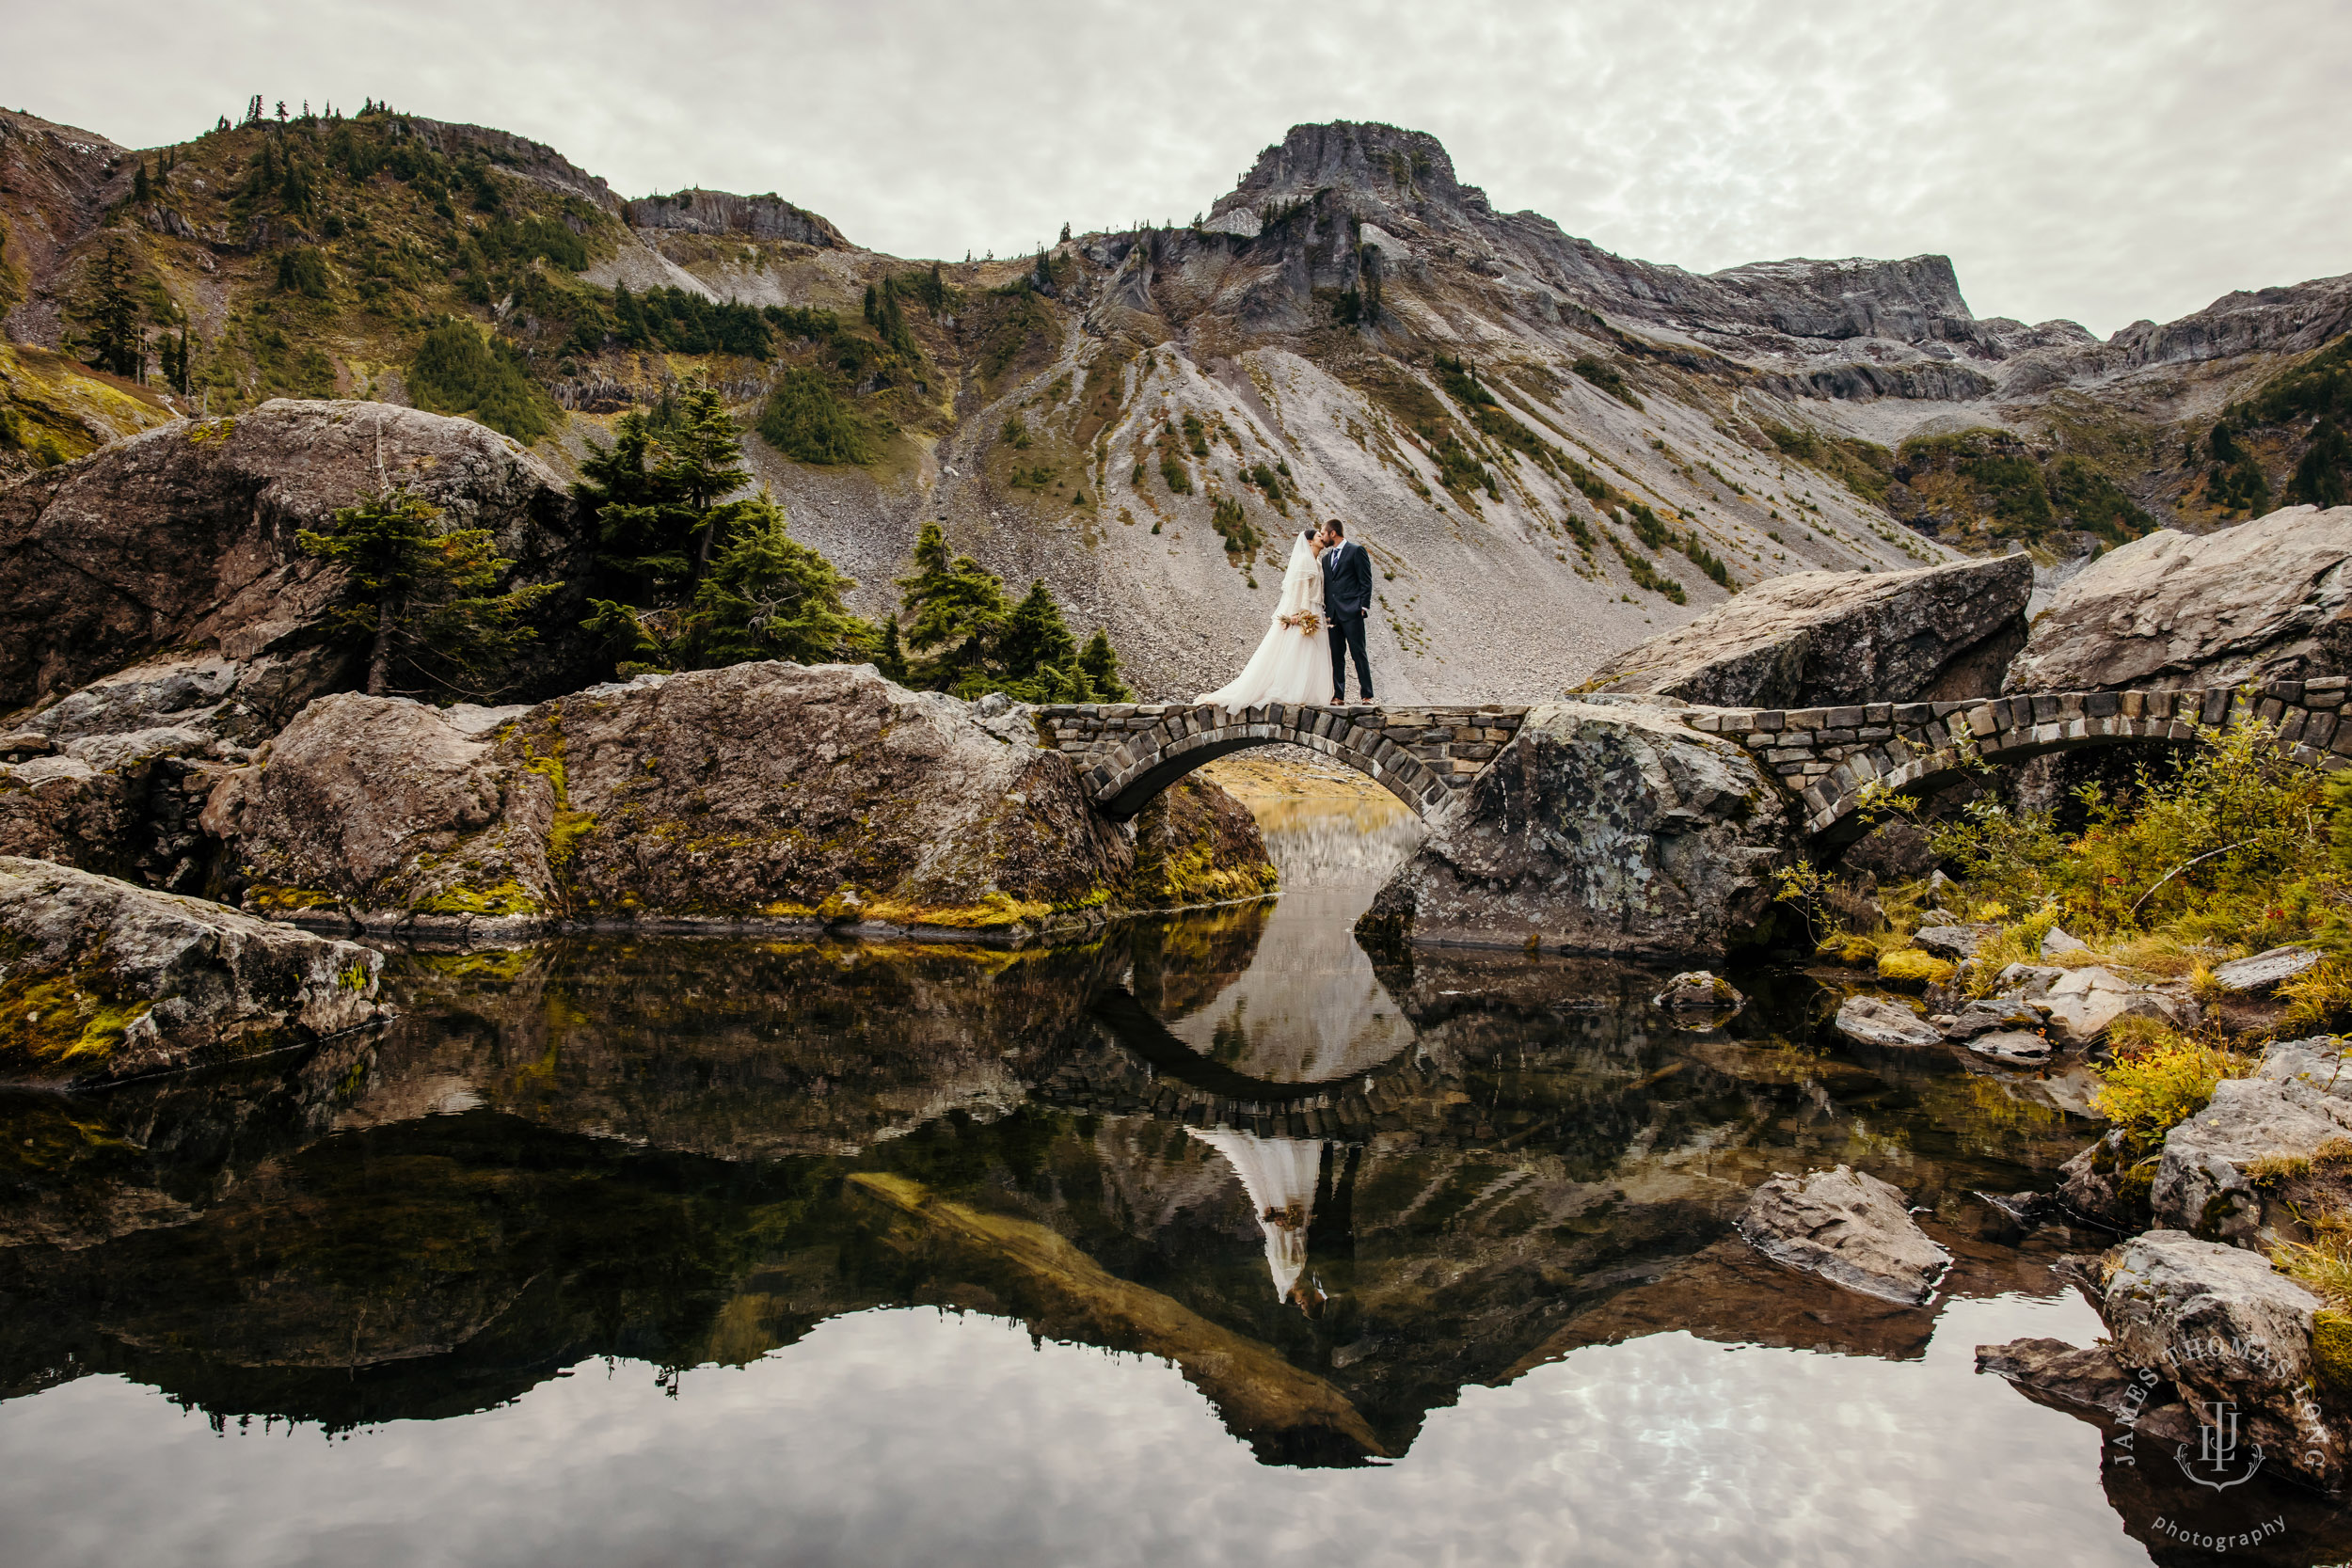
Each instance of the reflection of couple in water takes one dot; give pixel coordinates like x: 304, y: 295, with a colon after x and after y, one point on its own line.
x: 1280, y: 1175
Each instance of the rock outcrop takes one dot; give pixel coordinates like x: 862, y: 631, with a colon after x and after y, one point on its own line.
x: 1819, y: 639
x: 1609, y: 829
x: 719, y: 212
x: 102, y: 981
x: 184, y: 538
x: 778, y: 793
x: 2264, y: 601
x: 1851, y: 1229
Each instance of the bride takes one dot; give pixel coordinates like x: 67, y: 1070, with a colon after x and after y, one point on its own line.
x: 1294, y: 663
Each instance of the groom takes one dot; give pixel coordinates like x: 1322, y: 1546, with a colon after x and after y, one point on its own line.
x: 1347, y: 599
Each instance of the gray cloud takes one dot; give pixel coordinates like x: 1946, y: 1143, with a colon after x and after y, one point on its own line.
x: 2104, y: 160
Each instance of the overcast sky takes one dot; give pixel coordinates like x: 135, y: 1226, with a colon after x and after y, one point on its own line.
x: 2104, y: 161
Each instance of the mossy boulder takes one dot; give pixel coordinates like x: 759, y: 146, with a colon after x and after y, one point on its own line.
x: 391, y: 813
x: 100, y: 980
x: 759, y: 795
x: 1911, y: 967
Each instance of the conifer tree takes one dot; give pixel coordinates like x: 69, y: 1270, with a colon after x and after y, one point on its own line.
x: 891, y: 658
x: 1035, y: 639
x: 706, y: 461
x: 957, y: 608
x: 629, y: 316
x: 110, y: 309
x: 140, y: 193
x: 767, y: 595
x: 425, y: 603
x: 1099, y: 662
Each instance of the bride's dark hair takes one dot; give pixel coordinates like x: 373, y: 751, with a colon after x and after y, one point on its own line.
x: 1306, y: 533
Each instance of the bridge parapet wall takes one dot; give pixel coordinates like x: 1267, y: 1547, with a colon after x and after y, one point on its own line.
x: 1423, y: 754
x: 1829, y: 757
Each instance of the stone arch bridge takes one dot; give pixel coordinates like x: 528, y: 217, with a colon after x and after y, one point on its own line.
x: 1832, y: 759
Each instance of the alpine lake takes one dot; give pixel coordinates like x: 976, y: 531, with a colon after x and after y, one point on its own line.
x: 1216, y: 1239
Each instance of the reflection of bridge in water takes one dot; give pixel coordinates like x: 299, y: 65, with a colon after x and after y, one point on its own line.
x: 1831, y: 758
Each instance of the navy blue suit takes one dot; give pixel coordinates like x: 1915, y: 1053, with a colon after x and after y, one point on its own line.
x: 1346, y: 600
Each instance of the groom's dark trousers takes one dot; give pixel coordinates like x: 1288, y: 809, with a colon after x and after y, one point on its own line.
x: 1347, y: 632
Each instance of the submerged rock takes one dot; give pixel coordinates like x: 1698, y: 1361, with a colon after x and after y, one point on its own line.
x: 1699, y: 989
x: 2054, y: 1371
x: 1609, y: 829
x: 1875, y: 1021
x: 104, y: 981
x: 2262, y: 601
x: 1847, y: 1227
x: 818, y: 796
x: 1821, y: 639
x: 184, y: 538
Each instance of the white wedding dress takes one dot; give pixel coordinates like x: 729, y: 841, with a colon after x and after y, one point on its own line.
x: 1291, y: 665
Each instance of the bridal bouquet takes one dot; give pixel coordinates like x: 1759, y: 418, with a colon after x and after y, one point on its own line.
x: 1307, y: 621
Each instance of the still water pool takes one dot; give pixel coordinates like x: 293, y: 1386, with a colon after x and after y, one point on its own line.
x: 1219, y: 1240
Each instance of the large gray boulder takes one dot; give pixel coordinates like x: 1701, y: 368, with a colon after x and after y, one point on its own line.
x: 2221, y: 1324
x: 184, y: 539
x: 2081, y: 1004
x: 1851, y: 1229
x: 2262, y: 601
x: 2288, y: 1111
x: 102, y: 981
x: 1610, y: 830
x: 1821, y: 639
x: 1874, y: 1021
x: 765, y: 794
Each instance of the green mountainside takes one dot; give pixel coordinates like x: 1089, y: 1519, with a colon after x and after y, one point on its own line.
x: 1550, y: 450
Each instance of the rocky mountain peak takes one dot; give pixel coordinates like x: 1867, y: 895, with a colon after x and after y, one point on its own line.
x: 1377, y: 166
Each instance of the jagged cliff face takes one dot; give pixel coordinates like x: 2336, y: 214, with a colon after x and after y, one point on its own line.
x: 1552, y: 451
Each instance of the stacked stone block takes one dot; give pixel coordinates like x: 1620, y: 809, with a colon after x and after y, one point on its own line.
x: 1830, y: 756
x: 1424, y: 755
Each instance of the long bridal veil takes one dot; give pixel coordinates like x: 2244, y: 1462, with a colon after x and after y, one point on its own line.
x: 1291, y: 665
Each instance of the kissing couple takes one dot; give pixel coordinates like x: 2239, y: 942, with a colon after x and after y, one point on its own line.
x: 1326, y: 593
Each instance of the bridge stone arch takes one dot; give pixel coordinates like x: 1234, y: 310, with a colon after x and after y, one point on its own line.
x: 1128, y: 752
x: 1835, y: 759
